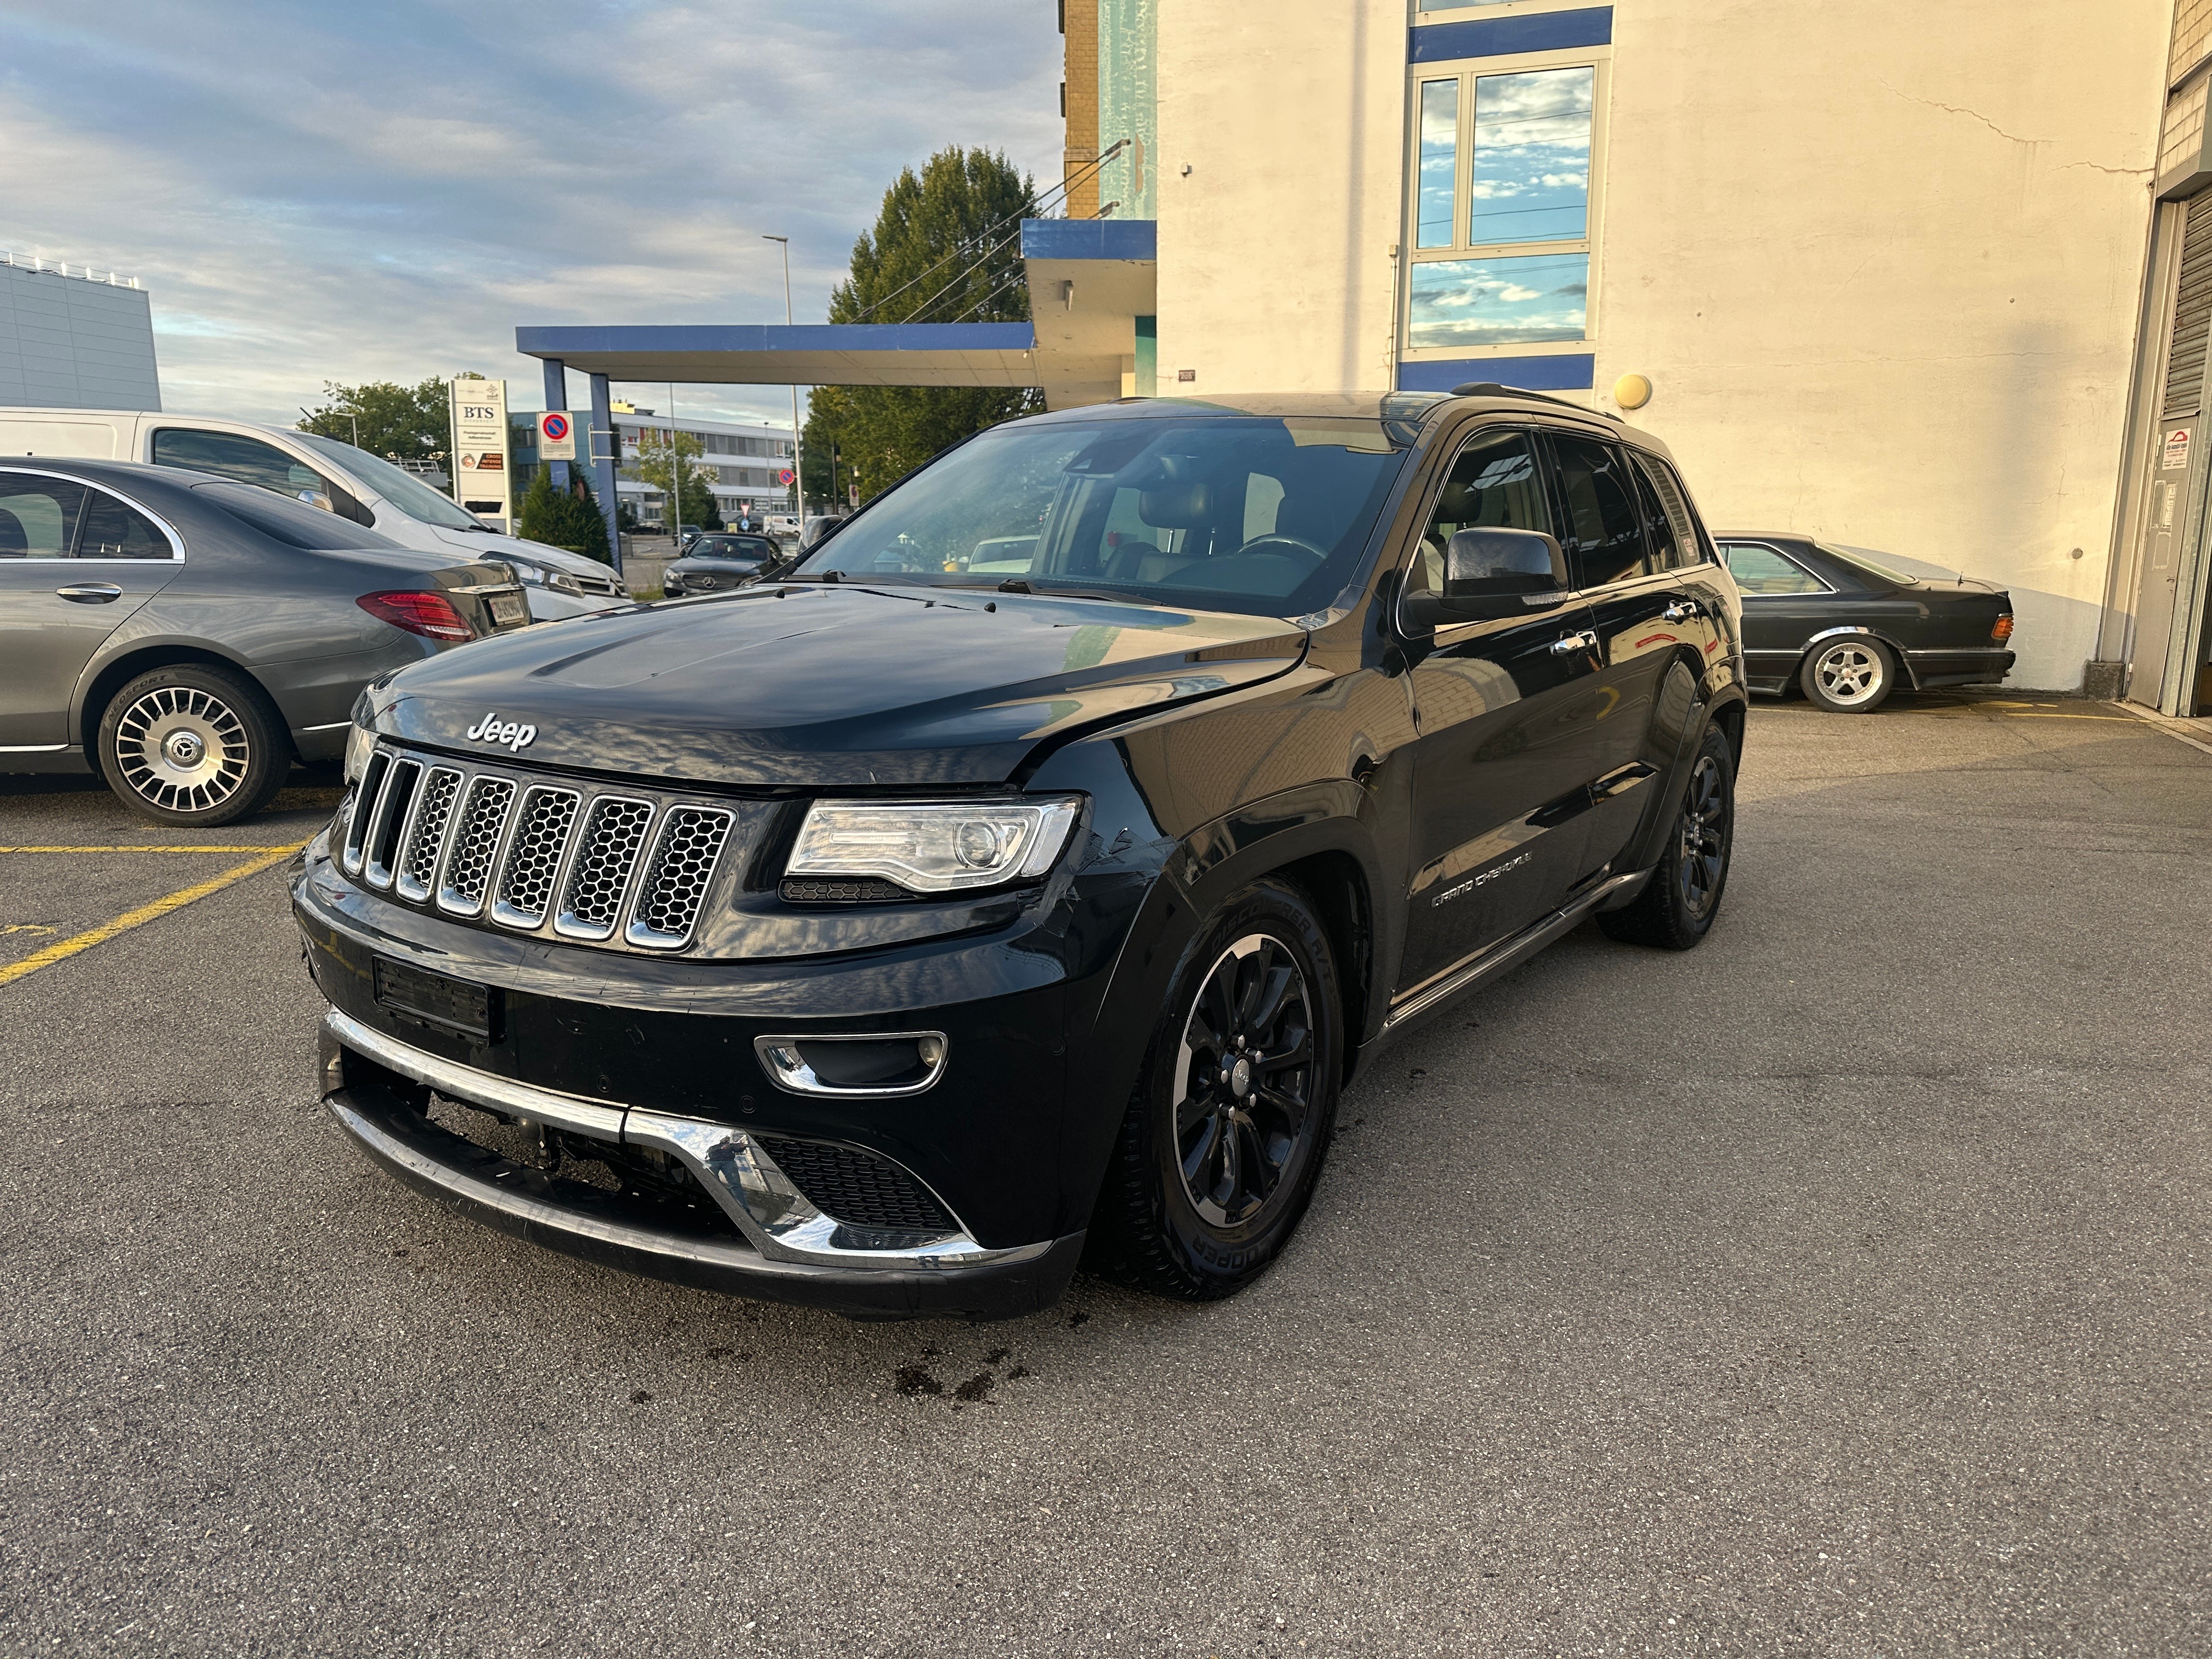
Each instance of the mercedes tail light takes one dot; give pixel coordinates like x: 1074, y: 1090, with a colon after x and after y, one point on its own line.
x: 2002, y: 631
x: 430, y: 615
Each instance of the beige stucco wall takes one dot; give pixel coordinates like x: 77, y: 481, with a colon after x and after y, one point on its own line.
x: 1882, y: 261
x: 1274, y: 250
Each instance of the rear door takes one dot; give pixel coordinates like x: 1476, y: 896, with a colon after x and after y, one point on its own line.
x: 1504, y: 710
x: 1624, y: 554
x: 75, y: 561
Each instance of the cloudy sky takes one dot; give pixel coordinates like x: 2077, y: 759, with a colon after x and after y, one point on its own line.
x: 350, y: 191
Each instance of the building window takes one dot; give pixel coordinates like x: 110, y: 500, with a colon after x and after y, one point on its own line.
x: 1506, y: 156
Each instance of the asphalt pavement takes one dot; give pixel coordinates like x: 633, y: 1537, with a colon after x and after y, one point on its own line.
x: 1837, y: 1288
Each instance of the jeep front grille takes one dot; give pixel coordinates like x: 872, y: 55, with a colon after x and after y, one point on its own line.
x: 534, y: 855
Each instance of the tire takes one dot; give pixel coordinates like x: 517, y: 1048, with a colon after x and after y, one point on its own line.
x: 1215, y: 1164
x: 1854, y: 675
x: 1677, y: 906
x: 194, y: 745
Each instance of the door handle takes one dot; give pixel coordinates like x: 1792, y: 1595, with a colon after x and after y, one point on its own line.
x: 90, y: 593
x: 1574, y: 643
x: 1681, y: 610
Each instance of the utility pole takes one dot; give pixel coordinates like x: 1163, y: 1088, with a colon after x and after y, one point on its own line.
x: 797, y: 456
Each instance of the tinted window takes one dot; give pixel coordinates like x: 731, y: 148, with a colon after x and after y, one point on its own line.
x: 1669, y: 539
x: 116, y: 530
x: 1494, y: 484
x: 1234, y: 513
x: 293, y: 523
x: 1690, y: 536
x: 234, y: 455
x: 1759, y: 569
x: 1605, y: 535
x: 37, y: 516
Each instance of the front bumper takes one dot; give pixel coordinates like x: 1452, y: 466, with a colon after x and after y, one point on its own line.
x: 761, y: 1238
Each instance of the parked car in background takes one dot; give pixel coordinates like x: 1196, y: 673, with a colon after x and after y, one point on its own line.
x: 335, y: 476
x: 1849, y: 629
x: 720, y: 559
x: 890, y: 936
x: 187, y: 636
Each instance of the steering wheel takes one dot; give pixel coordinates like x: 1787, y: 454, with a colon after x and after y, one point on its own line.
x: 1276, y: 545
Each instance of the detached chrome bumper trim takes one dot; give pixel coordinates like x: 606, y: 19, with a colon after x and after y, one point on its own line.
x: 775, y: 1216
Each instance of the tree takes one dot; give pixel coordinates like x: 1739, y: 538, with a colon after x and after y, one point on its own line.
x: 661, y: 451
x: 947, y: 249
x: 407, y: 424
x: 560, y: 518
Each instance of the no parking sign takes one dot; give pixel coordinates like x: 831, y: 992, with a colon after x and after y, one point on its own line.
x: 557, y: 436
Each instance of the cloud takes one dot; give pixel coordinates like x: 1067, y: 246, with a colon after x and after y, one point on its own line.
x: 325, y: 192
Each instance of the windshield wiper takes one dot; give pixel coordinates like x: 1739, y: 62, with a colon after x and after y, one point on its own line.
x: 1020, y: 584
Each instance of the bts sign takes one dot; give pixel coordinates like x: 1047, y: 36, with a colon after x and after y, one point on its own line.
x: 480, y: 478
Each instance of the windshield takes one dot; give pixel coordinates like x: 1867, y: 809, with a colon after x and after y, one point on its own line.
x: 1266, y: 517
x: 395, y: 485
x: 1859, y: 558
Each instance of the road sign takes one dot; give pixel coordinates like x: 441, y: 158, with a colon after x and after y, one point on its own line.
x: 785, y: 478
x: 557, y: 436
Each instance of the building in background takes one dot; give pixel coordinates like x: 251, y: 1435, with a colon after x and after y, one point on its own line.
x: 746, y: 460
x: 1878, y: 273
x: 72, y: 338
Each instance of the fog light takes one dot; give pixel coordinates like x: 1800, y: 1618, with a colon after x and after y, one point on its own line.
x: 871, y: 1064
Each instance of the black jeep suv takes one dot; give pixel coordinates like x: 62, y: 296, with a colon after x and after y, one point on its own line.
x: 1020, y: 878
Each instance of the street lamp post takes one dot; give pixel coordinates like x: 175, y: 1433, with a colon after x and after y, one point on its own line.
x: 798, y: 457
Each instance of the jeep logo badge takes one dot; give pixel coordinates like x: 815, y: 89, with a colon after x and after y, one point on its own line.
x: 491, y: 729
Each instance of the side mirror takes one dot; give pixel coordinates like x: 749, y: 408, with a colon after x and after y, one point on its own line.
x: 1491, y: 573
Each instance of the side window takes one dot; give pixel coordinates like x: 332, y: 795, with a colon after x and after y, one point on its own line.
x: 1604, y: 543
x: 249, y: 461
x: 1759, y: 569
x: 1494, y: 484
x: 1663, y: 546
x: 37, y: 516
x: 1690, y: 548
x: 116, y: 530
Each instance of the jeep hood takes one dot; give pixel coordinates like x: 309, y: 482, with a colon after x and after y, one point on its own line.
x: 829, y: 686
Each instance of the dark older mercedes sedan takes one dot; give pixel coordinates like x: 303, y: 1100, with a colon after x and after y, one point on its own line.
x: 1847, y: 628
x: 896, y: 933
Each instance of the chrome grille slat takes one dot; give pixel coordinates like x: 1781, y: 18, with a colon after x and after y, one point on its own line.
x: 467, y: 877
x: 426, y: 835
x: 527, y: 874
x: 674, y: 890
x: 379, y: 849
x: 607, y: 856
x: 371, y: 789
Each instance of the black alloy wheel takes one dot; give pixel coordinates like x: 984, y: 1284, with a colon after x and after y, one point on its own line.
x: 1677, y: 906
x: 193, y: 745
x: 1234, y: 1107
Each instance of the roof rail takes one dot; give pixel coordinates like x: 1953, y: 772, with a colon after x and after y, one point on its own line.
x: 1493, y: 389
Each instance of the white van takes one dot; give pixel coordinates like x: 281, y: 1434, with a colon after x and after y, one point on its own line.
x: 333, y: 476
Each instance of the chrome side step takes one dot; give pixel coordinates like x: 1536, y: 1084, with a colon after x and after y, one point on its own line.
x: 1506, y: 953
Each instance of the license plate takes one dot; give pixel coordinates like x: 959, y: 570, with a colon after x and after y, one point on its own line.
x: 509, y: 611
x: 439, y: 999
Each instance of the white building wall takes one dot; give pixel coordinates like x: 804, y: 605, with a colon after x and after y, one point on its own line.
x: 1884, y: 272
x: 1275, y: 270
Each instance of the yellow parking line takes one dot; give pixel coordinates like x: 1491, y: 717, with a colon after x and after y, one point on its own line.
x: 149, y: 846
x: 63, y: 949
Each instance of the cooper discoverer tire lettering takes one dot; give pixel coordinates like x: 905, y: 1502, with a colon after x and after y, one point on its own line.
x: 1230, y: 1120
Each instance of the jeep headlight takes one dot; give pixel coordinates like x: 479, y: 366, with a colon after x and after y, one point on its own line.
x: 359, y: 741
x: 934, y: 846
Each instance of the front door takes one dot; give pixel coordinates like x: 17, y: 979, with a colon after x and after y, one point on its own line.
x: 1504, y: 755
x: 74, y: 562
x: 2160, y: 567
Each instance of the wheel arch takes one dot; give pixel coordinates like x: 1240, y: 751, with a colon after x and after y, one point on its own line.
x: 112, y: 676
